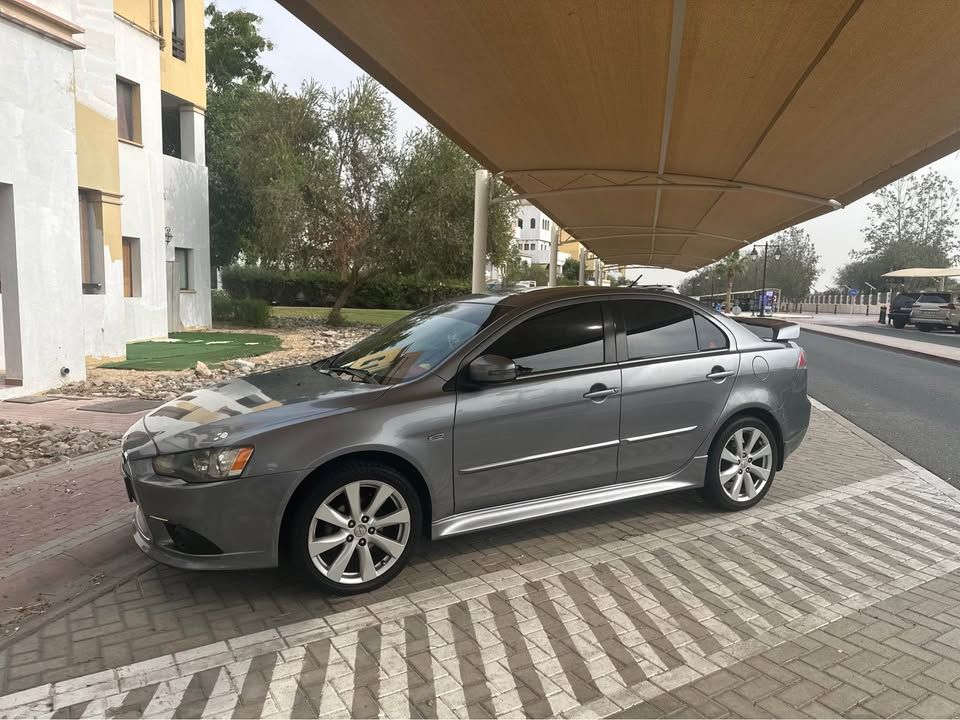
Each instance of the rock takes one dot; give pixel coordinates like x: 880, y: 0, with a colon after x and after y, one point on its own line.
x: 202, y: 370
x: 5, y: 470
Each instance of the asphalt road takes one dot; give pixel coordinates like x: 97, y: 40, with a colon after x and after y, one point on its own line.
x: 910, y: 403
x: 938, y: 337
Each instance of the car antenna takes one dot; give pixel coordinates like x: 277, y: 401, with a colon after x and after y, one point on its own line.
x: 636, y: 281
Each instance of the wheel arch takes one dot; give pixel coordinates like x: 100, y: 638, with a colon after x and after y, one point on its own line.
x: 767, y: 417
x: 378, y: 457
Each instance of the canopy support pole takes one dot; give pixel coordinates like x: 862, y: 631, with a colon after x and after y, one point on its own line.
x: 481, y: 208
x: 582, y: 276
x: 554, y: 248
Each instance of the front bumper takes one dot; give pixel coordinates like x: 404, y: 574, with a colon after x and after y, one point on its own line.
x: 226, y: 525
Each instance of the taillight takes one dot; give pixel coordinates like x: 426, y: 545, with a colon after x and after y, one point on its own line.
x: 948, y: 306
x: 802, y: 360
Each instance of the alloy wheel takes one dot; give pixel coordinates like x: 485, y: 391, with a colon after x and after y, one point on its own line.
x: 359, y: 532
x: 745, y: 464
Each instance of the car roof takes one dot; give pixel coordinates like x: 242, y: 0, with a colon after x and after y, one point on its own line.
x: 538, y: 296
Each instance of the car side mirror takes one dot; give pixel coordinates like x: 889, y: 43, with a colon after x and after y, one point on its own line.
x: 492, y: 369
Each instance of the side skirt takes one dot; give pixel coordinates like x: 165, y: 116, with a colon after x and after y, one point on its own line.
x: 690, y: 476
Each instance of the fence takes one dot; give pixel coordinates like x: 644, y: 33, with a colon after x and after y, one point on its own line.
x: 839, y: 304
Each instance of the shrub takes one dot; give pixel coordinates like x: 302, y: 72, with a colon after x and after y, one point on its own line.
x: 250, y: 312
x: 320, y: 288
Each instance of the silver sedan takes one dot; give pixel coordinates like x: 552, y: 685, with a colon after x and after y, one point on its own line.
x: 466, y: 415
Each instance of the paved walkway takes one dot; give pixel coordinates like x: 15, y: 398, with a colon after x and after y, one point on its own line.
x: 839, y: 595
x: 909, y: 345
x: 67, y: 412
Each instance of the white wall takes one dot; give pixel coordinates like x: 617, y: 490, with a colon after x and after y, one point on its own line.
x: 187, y: 215
x: 141, y: 182
x: 38, y: 159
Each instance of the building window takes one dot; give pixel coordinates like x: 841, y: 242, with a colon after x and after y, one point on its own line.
x: 520, y: 223
x: 128, y: 111
x: 533, y: 223
x: 179, y: 44
x: 131, y: 267
x: 91, y: 243
x: 545, y: 224
x: 183, y: 259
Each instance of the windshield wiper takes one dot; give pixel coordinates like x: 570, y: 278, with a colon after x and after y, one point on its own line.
x: 364, y: 375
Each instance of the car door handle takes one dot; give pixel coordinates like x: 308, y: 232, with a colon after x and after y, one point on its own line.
x: 718, y: 373
x: 600, y: 393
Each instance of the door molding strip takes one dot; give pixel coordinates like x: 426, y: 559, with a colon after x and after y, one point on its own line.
x: 665, y: 433
x: 540, y: 456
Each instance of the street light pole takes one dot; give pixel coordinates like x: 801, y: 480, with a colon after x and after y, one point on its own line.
x: 753, y: 304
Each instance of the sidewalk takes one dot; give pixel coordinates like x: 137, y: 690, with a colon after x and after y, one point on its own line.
x: 838, y: 596
x: 919, y: 348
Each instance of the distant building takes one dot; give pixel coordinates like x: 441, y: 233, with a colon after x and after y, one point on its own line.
x: 104, y: 226
x: 531, y: 236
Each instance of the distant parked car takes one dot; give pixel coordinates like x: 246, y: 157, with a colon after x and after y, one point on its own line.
x: 900, y: 306
x: 935, y: 311
x: 661, y: 288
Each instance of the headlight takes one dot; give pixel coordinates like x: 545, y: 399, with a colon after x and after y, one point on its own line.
x: 204, y: 465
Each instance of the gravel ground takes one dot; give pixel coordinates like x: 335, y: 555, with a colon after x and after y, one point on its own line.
x: 24, y: 446
x: 303, y: 342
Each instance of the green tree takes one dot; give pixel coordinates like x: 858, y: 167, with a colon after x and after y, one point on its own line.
x: 234, y: 77
x: 426, y: 213
x: 912, y: 223
x: 730, y: 267
x: 361, y: 129
x: 233, y: 49
x: 571, y: 269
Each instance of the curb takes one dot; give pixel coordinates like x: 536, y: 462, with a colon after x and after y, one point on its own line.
x: 903, y: 351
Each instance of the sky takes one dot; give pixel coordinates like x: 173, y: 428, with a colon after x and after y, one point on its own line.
x: 299, y: 54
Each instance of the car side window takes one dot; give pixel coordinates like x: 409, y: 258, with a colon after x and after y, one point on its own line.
x: 656, y: 329
x: 568, y: 337
x: 709, y: 336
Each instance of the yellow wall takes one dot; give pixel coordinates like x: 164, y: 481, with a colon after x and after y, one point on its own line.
x: 140, y: 12
x: 98, y: 156
x: 184, y: 78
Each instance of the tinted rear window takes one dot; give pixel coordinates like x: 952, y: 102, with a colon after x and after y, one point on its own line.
x: 657, y: 329
x: 934, y: 298
x: 904, y: 299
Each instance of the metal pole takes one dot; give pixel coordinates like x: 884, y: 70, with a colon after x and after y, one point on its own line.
x: 753, y: 309
x: 582, y: 279
x: 598, y: 271
x: 481, y: 206
x: 763, y: 284
x: 554, y: 244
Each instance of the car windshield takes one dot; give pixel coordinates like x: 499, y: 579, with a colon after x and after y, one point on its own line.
x: 415, y: 344
x: 933, y: 298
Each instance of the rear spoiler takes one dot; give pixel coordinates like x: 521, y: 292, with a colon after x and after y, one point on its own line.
x: 782, y: 330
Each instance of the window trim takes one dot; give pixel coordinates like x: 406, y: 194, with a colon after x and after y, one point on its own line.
x: 188, y: 258
x: 621, y: 343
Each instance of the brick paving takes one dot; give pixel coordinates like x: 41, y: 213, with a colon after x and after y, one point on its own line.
x: 837, y: 596
x: 67, y: 412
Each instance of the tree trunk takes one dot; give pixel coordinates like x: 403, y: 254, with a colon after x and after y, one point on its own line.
x: 729, y: 293
x: 336, y: 317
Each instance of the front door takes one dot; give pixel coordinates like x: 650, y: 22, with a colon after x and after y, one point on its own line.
x: 675, y: 383
x: 551, y: 431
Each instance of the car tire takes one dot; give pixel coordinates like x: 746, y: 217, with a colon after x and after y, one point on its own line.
x: 899, y: 324
x: 733, y: 485
x: 334, y: 544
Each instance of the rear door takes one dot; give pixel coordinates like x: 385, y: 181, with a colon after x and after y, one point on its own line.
x: 675, y: 380
x: 553, y: 430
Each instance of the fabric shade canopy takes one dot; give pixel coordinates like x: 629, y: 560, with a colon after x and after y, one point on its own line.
x: 670, y: 132
x: 923, y: 272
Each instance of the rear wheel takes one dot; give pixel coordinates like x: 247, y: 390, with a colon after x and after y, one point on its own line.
x: 354, y: 531
x: 899, y: 324
x: 741, y: 465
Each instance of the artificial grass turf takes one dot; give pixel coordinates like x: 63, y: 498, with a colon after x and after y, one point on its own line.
x: 189, y: 347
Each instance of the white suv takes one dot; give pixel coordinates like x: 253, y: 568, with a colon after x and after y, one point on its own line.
x: 935, y: 310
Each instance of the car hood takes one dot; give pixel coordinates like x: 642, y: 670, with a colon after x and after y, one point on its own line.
x: 231, y: 411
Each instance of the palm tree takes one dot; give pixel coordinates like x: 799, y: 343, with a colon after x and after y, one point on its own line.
x: 731, y: 266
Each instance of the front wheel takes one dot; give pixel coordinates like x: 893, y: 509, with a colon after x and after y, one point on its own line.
x: 354, y: 531
x: 741, y: 465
